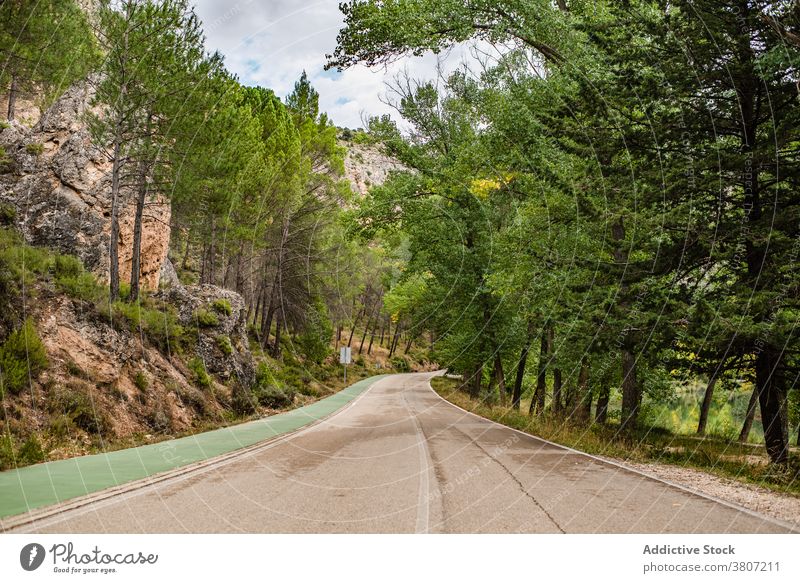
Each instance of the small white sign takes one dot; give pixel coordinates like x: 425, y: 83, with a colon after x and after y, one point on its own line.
x: 344, y: 355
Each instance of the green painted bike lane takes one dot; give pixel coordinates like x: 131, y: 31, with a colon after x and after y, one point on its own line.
x: 49, y: 483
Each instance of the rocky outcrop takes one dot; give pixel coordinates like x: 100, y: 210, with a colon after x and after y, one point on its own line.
x: 59, y: 185
x: 220, y: 316
x: 366, y: 165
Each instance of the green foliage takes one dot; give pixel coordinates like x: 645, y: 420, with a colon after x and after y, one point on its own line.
x: 315, y: 339
x: 34, y: 148
x: 7, y: 211
x: 205, y: 318
x: 5, y: 163
x: 200, y: 376
x: 224, y: 344
x: 400, y: 364
x: 22, y: 358
x: 140, y: 380
x: 73, y: 280
x: 7, y: 456
x: 222, y: 306
x: 33, y: 40
x: 159, y: 324
x: 612, y: 244
x: 269, y: 391
x: 75, y: 403
x: 30, y: 452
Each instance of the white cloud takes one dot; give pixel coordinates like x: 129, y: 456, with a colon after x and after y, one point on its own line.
x: 270, y: 43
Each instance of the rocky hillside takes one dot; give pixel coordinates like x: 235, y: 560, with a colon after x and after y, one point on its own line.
x: 76, y: 372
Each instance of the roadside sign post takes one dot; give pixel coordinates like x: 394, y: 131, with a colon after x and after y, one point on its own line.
x: 344, y: 358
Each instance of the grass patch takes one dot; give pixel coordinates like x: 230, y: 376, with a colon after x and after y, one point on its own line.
x: 34, y: 148
x: 200, y: 375
x: 140, y: 380
x: 222, y: 306
x: 205, y: 318
x: 224, y: 344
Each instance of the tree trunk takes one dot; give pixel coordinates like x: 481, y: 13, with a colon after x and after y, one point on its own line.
x: 498, y: 378
x: 212, y: 254
x: 355, y: 325
x: 113, y: 251
x: 630, y: 392
x: 136, y: 256
x: 185, y: 261
x: 395, y: 339
x: 523, y: 360
x: 475, y: 382
x: 541, y: 377
x: 770, y: 400
x: 583, y: 399
x: 749, y: 415
x: 268, y: 315
x: 372, y: 336
x: 13, y: 90
x: 364, y: 335
x: 601, y: 414
x: 706, y: 406
x: 276, y: 349
x: 558, y: 393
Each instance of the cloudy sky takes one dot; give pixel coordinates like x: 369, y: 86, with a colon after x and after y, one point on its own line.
x: 270, y: 43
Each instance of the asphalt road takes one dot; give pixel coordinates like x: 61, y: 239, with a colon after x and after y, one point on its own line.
x: 401, y: 459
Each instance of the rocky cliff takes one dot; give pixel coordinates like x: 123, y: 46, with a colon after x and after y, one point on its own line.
x: 367, y: 165
x: 58, y: 184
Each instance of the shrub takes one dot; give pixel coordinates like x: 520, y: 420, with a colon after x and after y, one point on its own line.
x: 34, y: 148
x: 7, y: 211
x: 140, y: 380
x: 161, y: 327
x: 199, y: 374
x: 60, y: 426
x: 268, y: 391
x: 243, y: 402
x: 400, y: 364
x: 31, y: 452
x: 160, y: 420
x: 224, y: 344
x: 67, y: 265
x: 74, y: 370
x: 222, y: 306
x: 7, y: 457
x: 309, y: 390
x: 22, y: 356
x: 205, y: 318
x: 74, y: 402
x: 274, y: 397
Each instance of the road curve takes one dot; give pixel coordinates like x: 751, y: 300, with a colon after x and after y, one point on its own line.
x: 401, y: 459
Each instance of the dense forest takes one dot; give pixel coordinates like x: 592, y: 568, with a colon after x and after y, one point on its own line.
x: 610, y: 194
x: 597, y: 212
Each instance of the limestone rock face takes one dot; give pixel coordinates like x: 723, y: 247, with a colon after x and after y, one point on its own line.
x: 222, y: 340
x: 60, y: 186
x: 367, y: 165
